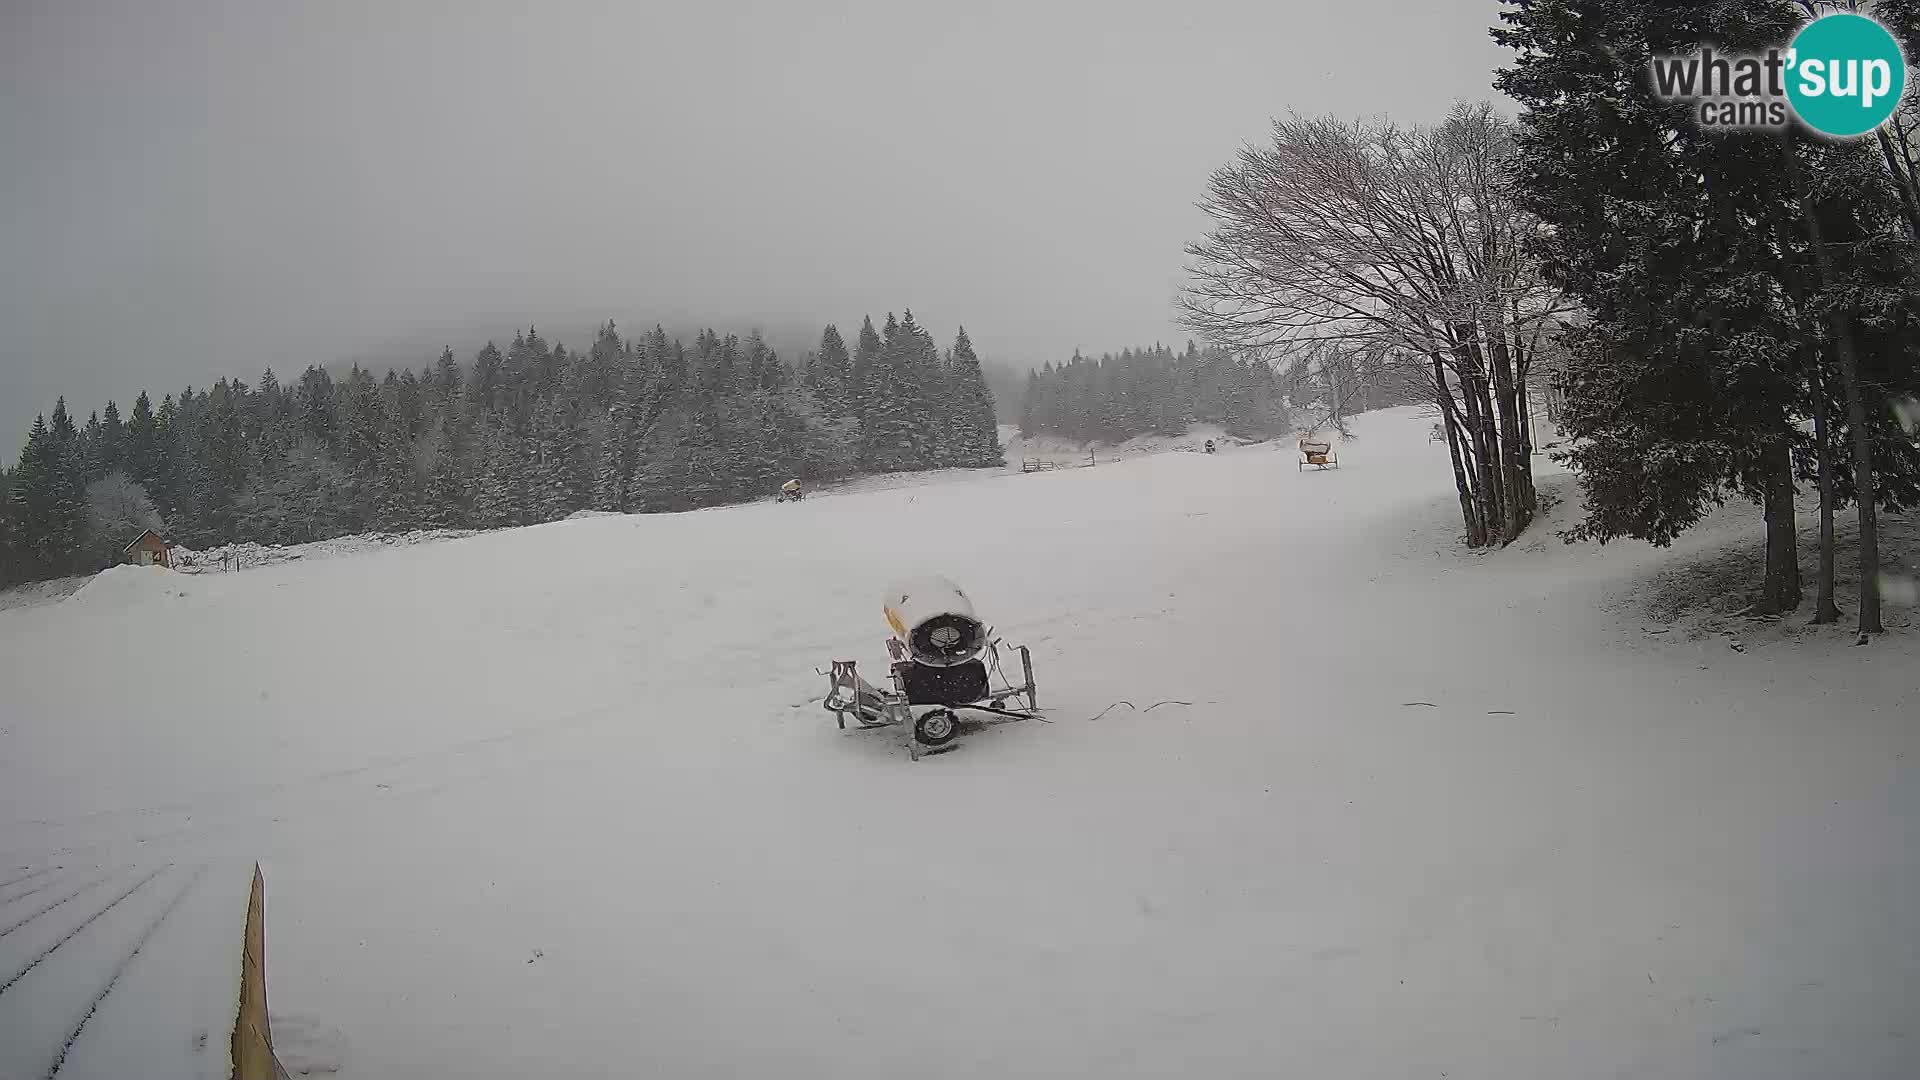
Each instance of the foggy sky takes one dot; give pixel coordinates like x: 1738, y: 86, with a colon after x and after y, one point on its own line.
x: 192, y: 189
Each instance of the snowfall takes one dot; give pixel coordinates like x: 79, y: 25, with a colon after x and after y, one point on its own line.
x: 1320, y: 793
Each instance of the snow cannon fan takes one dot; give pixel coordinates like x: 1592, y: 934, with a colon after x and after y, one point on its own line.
x: 933, y: 619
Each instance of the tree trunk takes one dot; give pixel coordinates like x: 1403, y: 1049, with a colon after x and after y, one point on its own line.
x: 1824, y: 609
x: 1865, y: 488
x: 1476, y: 532
x: 1843, y: 343
x: 1518, y: 470
x: 1781, y: 591
x: 1333, y: 391
x: 1484, y: 442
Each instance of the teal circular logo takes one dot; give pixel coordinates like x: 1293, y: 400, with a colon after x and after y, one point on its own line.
x: 1845, y: 75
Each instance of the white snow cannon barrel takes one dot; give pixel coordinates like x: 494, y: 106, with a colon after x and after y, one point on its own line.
x: 935, y: 621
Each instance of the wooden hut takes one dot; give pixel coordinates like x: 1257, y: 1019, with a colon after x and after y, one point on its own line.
x: 148, y: 549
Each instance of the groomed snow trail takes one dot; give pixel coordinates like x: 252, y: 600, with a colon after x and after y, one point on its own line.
x: 560, y: 801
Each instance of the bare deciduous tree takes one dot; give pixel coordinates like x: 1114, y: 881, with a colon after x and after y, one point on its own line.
x: 1400, y: 252
x: 118, y: 510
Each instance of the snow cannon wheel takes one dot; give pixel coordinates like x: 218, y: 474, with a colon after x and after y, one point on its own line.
x: 936, y: 727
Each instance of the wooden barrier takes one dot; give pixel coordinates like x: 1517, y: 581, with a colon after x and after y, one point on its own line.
x: 252, y: 1035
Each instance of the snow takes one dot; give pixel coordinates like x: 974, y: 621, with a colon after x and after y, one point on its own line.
x: 561, y: 801
x: 305, y: 1046
x: 124, y: 972
x: 35, y: 593
x: 247, y: 554
x: 117, y: 589
x: 183, y: 981
x: 1072, y: 452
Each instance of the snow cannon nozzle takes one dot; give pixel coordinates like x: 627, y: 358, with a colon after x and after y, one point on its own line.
x: 935, y: 620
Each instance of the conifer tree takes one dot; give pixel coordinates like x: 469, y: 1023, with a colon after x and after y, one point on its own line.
x: 487, y: 392
x: 32, y: 495
x: 968, y: 409
x: 500, y: 489
x: 445, y: 386
x: 113, y: 438
x: 314, y: 399
x: 866, y: 357
x: 833, y: 373
x: 448, y: 495
x: 557, y: 479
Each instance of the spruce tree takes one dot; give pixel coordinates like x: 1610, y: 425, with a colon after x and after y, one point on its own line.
x: 143, y: 444
x: 889, y: 441
x: 866, y: 357
x: 613, y: 475
x: 314, y: 399
x: 32, y: 497
x: 921, y: 380
x: 755, y: 354
x: 500, y: 489
x: 486, y: 392
x: 410, y: 406
x: 449, y: 488
x: 557, y: 479
x: 833, y: 373
x: 969, y: 410
x: 113, y: 438
x: 66, y: 514
x: 603, y: 361
x: 89, y: 449
x: 445, y: 385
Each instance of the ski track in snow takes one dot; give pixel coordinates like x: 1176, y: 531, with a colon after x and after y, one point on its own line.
x: 1595, y: 853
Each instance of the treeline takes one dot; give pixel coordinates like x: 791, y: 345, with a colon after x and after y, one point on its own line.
x: 1154, y: 390
x: 528, y: 434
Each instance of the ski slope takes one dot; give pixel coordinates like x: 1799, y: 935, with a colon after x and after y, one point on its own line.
x: 560, y: 801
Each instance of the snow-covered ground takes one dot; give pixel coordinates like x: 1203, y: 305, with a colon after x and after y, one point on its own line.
x: 247, y: 555
x: 35, y: 593
x: 1069, y: 452
x: 560, y: 801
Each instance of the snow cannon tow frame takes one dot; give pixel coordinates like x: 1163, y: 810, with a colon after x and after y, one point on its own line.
x: 945, y: 661
x: 926, y: 698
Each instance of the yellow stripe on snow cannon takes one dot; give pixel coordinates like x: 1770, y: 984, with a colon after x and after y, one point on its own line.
x: 935, y: 620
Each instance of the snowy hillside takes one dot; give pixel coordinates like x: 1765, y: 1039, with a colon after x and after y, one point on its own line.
x: 561, y: 801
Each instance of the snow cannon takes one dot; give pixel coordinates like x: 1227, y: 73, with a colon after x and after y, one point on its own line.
x: 945, y: 661
x: 935, y: 621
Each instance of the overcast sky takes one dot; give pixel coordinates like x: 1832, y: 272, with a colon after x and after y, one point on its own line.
x: 192, y: 189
